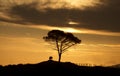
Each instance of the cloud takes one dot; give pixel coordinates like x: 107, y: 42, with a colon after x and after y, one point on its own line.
x: 102, y: 45
x: 76, y: 30
x: 104, y: 17
x: 55, y: 4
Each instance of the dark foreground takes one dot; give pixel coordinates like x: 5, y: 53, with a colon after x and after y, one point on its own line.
x: 53, y: 68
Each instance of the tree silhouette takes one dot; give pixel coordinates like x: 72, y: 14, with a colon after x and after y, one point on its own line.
x: 62, y: 40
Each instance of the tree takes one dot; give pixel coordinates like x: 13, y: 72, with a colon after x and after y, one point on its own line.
x: 62, y: 40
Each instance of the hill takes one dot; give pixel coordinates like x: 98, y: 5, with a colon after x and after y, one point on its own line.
x: 54, y: 68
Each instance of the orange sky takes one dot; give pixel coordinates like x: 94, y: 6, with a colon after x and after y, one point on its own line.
x: 23, y: 43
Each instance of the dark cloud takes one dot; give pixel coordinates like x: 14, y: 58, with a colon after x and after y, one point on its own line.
x: 29, y: 14
x: 105, y: 17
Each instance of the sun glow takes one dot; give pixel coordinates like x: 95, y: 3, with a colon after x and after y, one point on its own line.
x: 81, y: 3
x: 71, y: 30
x: 73, y: 23
x: 66, y: 29
x: 75, y: 30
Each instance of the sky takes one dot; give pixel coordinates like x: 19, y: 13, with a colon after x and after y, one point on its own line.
x: 24, y: 23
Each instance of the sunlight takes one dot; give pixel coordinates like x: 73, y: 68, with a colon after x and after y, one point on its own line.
x: 72, y: 30
x: 81, y: 3
x: 76, y: 30
x: 73, y: 23
x: 66, y: 29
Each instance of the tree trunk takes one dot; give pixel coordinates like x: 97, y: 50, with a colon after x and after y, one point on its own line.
x: 59, y: 57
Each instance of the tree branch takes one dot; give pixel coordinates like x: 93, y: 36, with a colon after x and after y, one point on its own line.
x: 67, y: 47
x: 66, y: 44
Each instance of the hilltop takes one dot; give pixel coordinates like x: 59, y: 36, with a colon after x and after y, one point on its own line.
x: 54, y: 68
